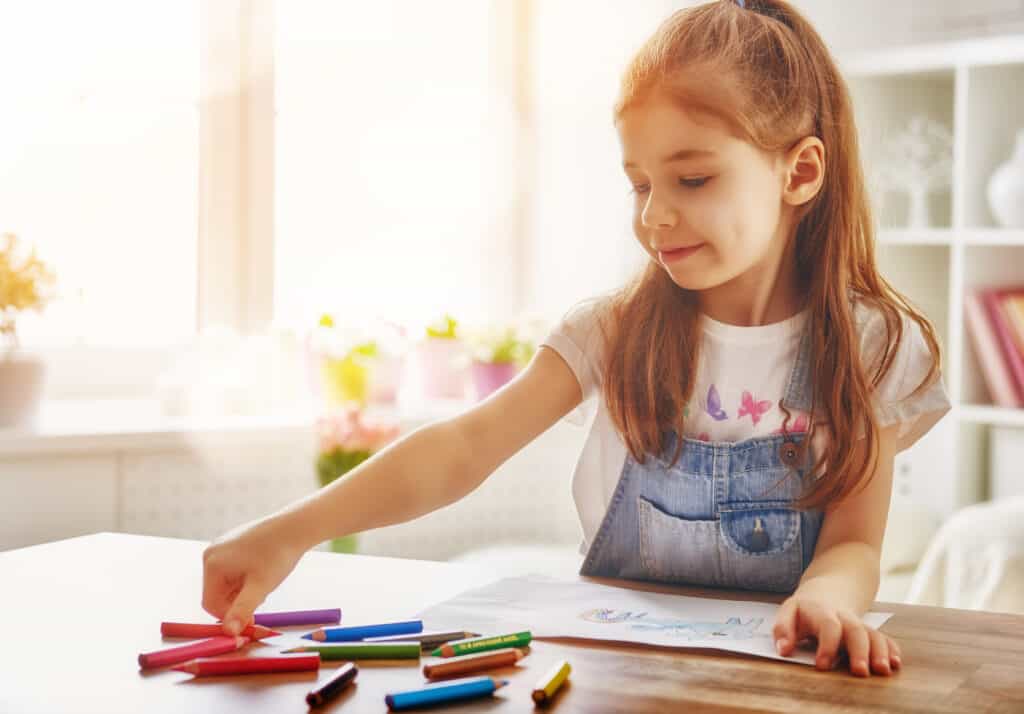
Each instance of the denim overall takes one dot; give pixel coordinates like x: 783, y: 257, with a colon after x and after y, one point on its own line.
x: 721, y: 517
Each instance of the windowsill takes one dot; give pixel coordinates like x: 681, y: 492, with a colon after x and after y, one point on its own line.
x: 138, y: 424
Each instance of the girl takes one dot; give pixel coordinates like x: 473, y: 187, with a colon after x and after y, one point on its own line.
x: 753, y: 383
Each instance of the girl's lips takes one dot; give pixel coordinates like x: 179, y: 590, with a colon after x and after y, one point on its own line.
x: 679, y: 253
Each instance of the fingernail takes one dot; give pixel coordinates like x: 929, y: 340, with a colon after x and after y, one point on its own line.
x: 779, y: 645
x: 896, y: 661
x: 234, y: 626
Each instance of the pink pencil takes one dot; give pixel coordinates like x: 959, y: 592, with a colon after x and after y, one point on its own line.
x: 250, y: 665
x: 203, y: 648
x: 194, y: 630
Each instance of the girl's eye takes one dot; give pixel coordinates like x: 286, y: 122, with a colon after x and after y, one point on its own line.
x: 694, y: 182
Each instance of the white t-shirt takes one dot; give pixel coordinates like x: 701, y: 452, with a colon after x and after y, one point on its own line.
x: 735, y: 397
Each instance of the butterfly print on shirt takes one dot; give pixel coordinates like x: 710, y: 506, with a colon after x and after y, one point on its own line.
x: 714, y: 405
x: 754, y: 408
x: 800, y: 425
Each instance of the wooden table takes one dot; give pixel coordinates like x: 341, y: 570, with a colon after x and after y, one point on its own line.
x: 76, y: 613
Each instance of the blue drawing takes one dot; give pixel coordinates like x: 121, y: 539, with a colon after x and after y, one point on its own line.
x: 733, y: 628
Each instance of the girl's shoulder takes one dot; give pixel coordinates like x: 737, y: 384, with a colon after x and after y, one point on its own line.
x: 894, y: 333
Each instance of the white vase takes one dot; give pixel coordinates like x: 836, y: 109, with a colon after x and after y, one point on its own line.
x: 917, y: 215
x: 1006, y: 189
x: 21, y: 389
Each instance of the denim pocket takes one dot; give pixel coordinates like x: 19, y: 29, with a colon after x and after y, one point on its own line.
x: 677, y: 549
x: 762, y: 549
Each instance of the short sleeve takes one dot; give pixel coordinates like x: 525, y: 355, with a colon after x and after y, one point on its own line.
x: 916, y: 414
x: 578, y: 339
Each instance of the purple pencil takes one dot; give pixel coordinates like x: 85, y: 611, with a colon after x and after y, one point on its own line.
x: 299, y: 617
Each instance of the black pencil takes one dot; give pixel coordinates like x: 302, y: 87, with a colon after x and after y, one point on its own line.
x: 342, y: 678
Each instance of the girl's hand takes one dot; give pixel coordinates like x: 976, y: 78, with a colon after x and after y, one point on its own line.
x: 241, y: 567
x: 803, y: 616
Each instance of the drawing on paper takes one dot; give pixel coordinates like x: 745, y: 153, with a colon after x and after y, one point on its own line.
x: 734, y: 628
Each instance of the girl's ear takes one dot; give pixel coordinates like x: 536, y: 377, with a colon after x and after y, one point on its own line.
x: 805, y: 171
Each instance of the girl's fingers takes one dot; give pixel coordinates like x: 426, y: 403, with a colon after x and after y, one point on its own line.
x: 784, y: 631
x: 895, y: 653
x: 830, y: 634
x: 858, y: 645
x: 880, y: 656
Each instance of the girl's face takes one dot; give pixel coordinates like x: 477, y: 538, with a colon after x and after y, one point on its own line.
x: 712, y: 198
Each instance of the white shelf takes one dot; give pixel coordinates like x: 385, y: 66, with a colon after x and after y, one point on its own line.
x: 973, y: 87
x: 991, y: 416
x: 978, y: 52
x: 951, y: 236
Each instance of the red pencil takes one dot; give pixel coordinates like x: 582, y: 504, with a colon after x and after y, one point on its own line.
x: 193, y: 630
x: 250, y: 665
x: 183, y: 653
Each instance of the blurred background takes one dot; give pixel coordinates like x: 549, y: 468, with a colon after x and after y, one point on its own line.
x: 247, y: 243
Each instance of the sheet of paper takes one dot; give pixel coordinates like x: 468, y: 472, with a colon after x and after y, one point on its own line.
x: 554, y: 608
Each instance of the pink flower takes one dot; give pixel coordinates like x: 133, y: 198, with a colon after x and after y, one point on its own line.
x: 348, y: 429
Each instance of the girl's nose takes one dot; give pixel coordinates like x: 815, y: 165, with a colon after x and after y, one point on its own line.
x: 658, y: 213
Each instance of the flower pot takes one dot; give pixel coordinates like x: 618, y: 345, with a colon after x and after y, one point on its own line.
x: 21, y: 389
x: 386, y: 379
x: 1006, y: 189
x: 490, y: 376
x: 443, y: 366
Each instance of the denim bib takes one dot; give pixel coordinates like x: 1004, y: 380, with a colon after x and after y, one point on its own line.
x: 722, y: 516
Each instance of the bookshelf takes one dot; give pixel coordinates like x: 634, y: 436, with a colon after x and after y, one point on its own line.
x: 973, y: 87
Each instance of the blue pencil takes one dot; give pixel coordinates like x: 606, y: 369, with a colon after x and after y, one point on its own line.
x: 351, y: 634
x: 469, y: 688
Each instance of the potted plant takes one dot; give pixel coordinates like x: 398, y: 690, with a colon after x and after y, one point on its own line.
x: 443, y: 360
x: 25, y: 284
x: 346, y: 438
x: 358, y: 366
x: 498, y: 355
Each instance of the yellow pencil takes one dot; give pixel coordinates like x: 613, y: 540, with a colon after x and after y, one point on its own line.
x: 549, y: 684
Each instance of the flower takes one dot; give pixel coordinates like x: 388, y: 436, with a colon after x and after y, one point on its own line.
x: 24, y: 285
x: 349, y: 429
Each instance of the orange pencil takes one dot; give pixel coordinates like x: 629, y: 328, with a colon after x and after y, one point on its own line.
x: 249, y: 665
x: 194, y: 630
x: 473, y: 663
x: 183, y: 653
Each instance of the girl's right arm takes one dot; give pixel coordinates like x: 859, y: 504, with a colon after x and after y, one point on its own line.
x: 428, y: 469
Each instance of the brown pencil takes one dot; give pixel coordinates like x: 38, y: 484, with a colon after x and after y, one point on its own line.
x: 473, y: 663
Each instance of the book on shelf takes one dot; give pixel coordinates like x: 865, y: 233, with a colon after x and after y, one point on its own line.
x: 995, y: 321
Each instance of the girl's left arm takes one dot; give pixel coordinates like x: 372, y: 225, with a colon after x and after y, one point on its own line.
x: 841, y: 582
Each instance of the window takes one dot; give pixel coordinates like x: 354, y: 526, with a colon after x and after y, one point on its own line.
x: 395, y: 161
x: 98, y: 164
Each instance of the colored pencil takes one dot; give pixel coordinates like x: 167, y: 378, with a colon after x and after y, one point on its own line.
x: 479, y: 644
x: 249, y: 665
x: 364, y: 650
x: 298, y: 617
x: 473, y: 663
x: 193, y: 630
x: 183, y: 653
x: 427, y: 640
x: 470, y: 688
x: 353, y: 634
x: 549, y: 684
x: 342, y: 678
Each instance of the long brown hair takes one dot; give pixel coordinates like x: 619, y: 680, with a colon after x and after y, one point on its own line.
x: 775, y: 83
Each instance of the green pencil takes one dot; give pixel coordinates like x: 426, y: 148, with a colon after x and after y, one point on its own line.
x: 364, y: 650
x: 481, y: 644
